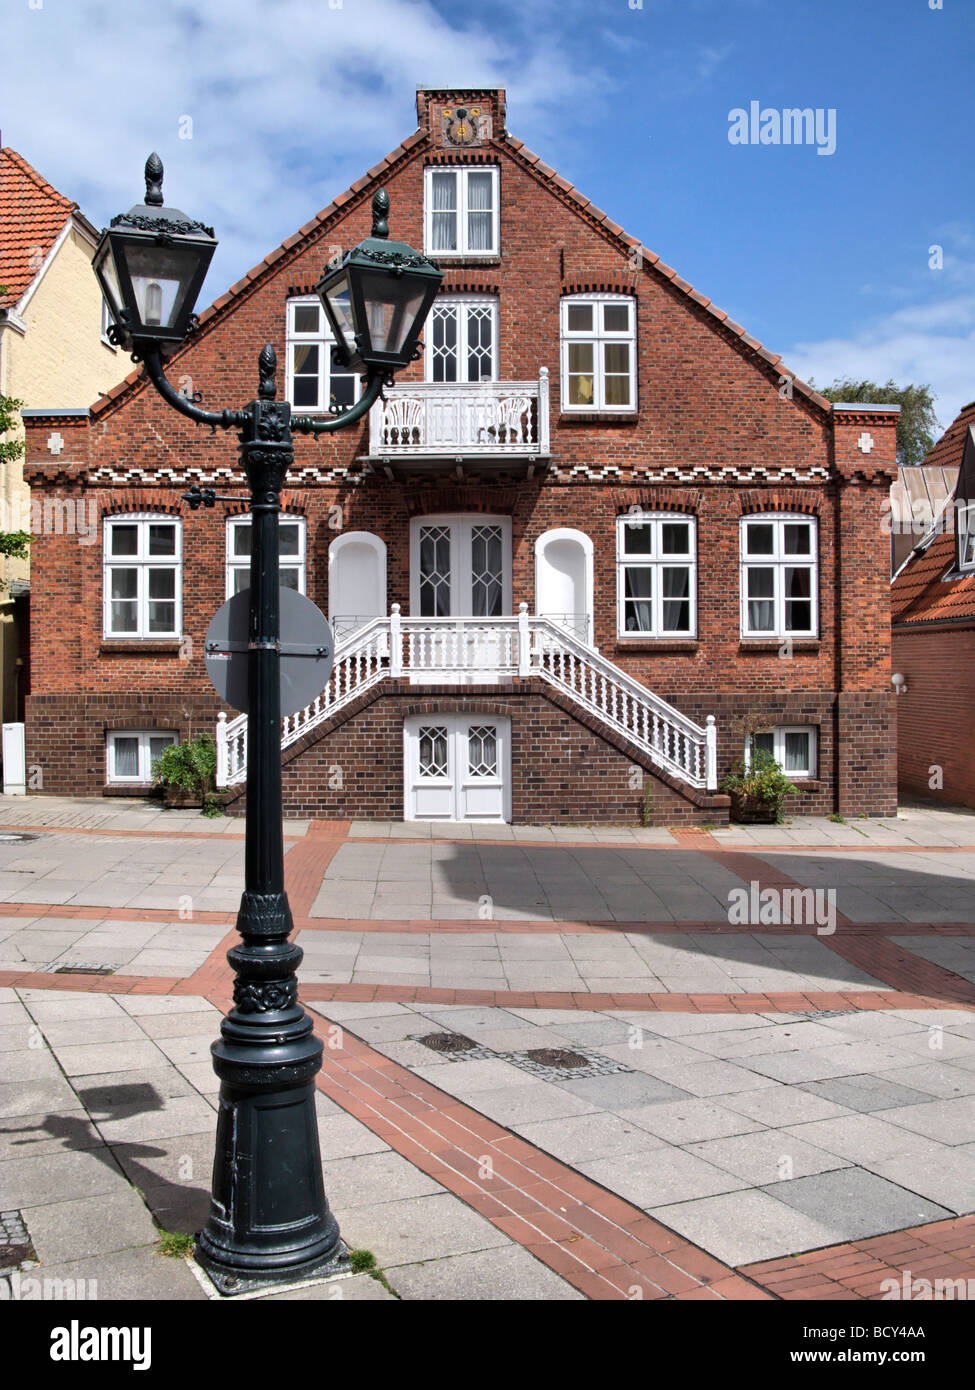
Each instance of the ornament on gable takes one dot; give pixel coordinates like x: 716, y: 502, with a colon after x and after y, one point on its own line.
x: 465, y: 126
x: 55, y: 444
x: 865, y: 442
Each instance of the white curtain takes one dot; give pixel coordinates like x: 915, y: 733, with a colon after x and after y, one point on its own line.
x: 479, y: 213
x: 444, y: 212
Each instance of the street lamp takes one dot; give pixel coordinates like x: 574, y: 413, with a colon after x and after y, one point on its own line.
x: 269, y: 1218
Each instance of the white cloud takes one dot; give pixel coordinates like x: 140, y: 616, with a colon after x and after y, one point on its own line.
x: 290, y: 100
x: 931, y: 343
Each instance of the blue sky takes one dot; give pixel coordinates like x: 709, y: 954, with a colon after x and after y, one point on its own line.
x: 825, y: 258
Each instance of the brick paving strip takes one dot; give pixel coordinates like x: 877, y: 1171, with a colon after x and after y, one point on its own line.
x: 858, y: 1268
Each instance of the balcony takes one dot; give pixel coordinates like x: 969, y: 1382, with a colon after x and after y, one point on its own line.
x: 437, y: 426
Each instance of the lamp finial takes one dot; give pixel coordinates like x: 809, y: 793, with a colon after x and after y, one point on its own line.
x: 267, y: 361
x: 154, y: 178
x: 380, y: 213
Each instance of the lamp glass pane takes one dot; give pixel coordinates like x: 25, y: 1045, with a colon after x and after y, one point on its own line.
x: 109, y: 280
x: 161, y: 277
x: 340, y: 304
x: 392, y: 305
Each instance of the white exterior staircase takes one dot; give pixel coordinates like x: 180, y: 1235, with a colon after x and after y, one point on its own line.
x: 464, y: 651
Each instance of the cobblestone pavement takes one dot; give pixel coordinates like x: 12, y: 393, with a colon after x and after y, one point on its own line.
x: 760, y: 1108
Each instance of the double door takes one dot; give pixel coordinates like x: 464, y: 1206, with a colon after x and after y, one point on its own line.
x: 457, y: 768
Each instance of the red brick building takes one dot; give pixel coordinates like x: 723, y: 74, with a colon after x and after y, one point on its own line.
x: 594, y: 515
x: 933, y: 640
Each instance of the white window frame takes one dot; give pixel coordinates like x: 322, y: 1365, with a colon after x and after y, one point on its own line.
x: 778, y: 561
x: 285, y: 562
x: 656, y: 561
x: 778, y: 748
x: 144, y: 775
x: 462, y: 171
x: 599, y: 336
x: 142, y: 561
x: 965, y: 528
x: 461, y: 303
x: 325, y: 341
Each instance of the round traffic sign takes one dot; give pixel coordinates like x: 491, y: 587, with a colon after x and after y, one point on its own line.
x: 306, y: 650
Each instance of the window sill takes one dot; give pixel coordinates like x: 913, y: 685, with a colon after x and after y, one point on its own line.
x: 598, y: 417
x: 775, y: 644
x: 463, y: 258
x: 657, y: 644
x: 140, y: 646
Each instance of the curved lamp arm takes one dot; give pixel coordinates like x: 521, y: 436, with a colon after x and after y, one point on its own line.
x: 225, y: 419
x: 304, y: 424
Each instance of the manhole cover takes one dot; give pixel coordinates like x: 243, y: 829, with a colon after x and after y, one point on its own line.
x: 13, y: 1255
x: 557, y: 1057
x: 447, y: 1042
x: 16, y: 837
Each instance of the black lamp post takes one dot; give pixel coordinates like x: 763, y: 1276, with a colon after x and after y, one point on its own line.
x: 269, y: 1218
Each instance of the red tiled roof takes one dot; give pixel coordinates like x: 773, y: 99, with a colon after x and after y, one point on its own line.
x: 32, y: 216
x: 556, y: 184
x: 920, y: 593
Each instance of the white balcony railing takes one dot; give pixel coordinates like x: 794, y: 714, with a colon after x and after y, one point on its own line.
x: 455, y: 420
x: 486, y: 648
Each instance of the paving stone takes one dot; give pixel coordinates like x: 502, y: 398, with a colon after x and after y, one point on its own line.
x: 416, y: 1229
x: 74, y: 1230
x: 368, y: 1178
x: 574, y: 1138
x: 860, y: 1138
x: 948, y: 1121
x: 29, y: 1182
x: 502, y: 1274
x: 139, y: 1275
x: 690, y: 1120
x: 766, y: 1156
x: 865, y: 1093
x: 855, y: 1203
x: 939, y: 1172
x: 742, y: 1227
x: 662, y: 1174
x: 539, y: 1100
x: 622, y: 1091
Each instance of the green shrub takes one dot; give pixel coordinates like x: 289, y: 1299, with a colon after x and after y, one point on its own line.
x: 191, y: 766
x: 763, y: 780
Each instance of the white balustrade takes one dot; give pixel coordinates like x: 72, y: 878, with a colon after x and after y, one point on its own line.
x: 486, y: 648
x: 461, y: 418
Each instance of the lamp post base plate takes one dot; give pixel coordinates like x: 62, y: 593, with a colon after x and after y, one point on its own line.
x: 230, y: 1283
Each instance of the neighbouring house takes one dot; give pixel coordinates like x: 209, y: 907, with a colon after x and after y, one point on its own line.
x: 590, y: 549
x: 933, y: 637
x: 918, y: 497
x: 53, y: 352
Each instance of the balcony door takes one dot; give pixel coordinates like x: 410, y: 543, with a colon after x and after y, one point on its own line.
x: 460, y: 566
x: 460, y: 569
x: 462, y: 340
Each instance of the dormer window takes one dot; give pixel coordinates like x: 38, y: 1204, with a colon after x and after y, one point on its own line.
x: 460, y: 206
x: 966, y: 536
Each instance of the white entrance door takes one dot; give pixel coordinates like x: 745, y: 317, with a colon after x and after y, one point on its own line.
x: 457, y: 768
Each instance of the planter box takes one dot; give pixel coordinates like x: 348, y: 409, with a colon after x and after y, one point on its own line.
x: 749, y: 810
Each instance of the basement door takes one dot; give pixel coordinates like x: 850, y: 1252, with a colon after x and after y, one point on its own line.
x: 457, y: 768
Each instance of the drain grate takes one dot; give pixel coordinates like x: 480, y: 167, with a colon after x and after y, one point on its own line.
x: 454, y: 1046
x: 822, y: 1013
x: 556, y: 1057
x: 65, y: 969
x: 568, y: 1064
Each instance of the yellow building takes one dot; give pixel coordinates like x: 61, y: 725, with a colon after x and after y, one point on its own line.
x: 53, y: 353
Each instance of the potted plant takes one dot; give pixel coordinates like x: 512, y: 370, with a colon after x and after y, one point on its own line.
x: 757, y: 789
x: 187, y: 773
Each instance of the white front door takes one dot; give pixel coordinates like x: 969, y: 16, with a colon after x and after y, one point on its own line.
x: 457, y: 768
